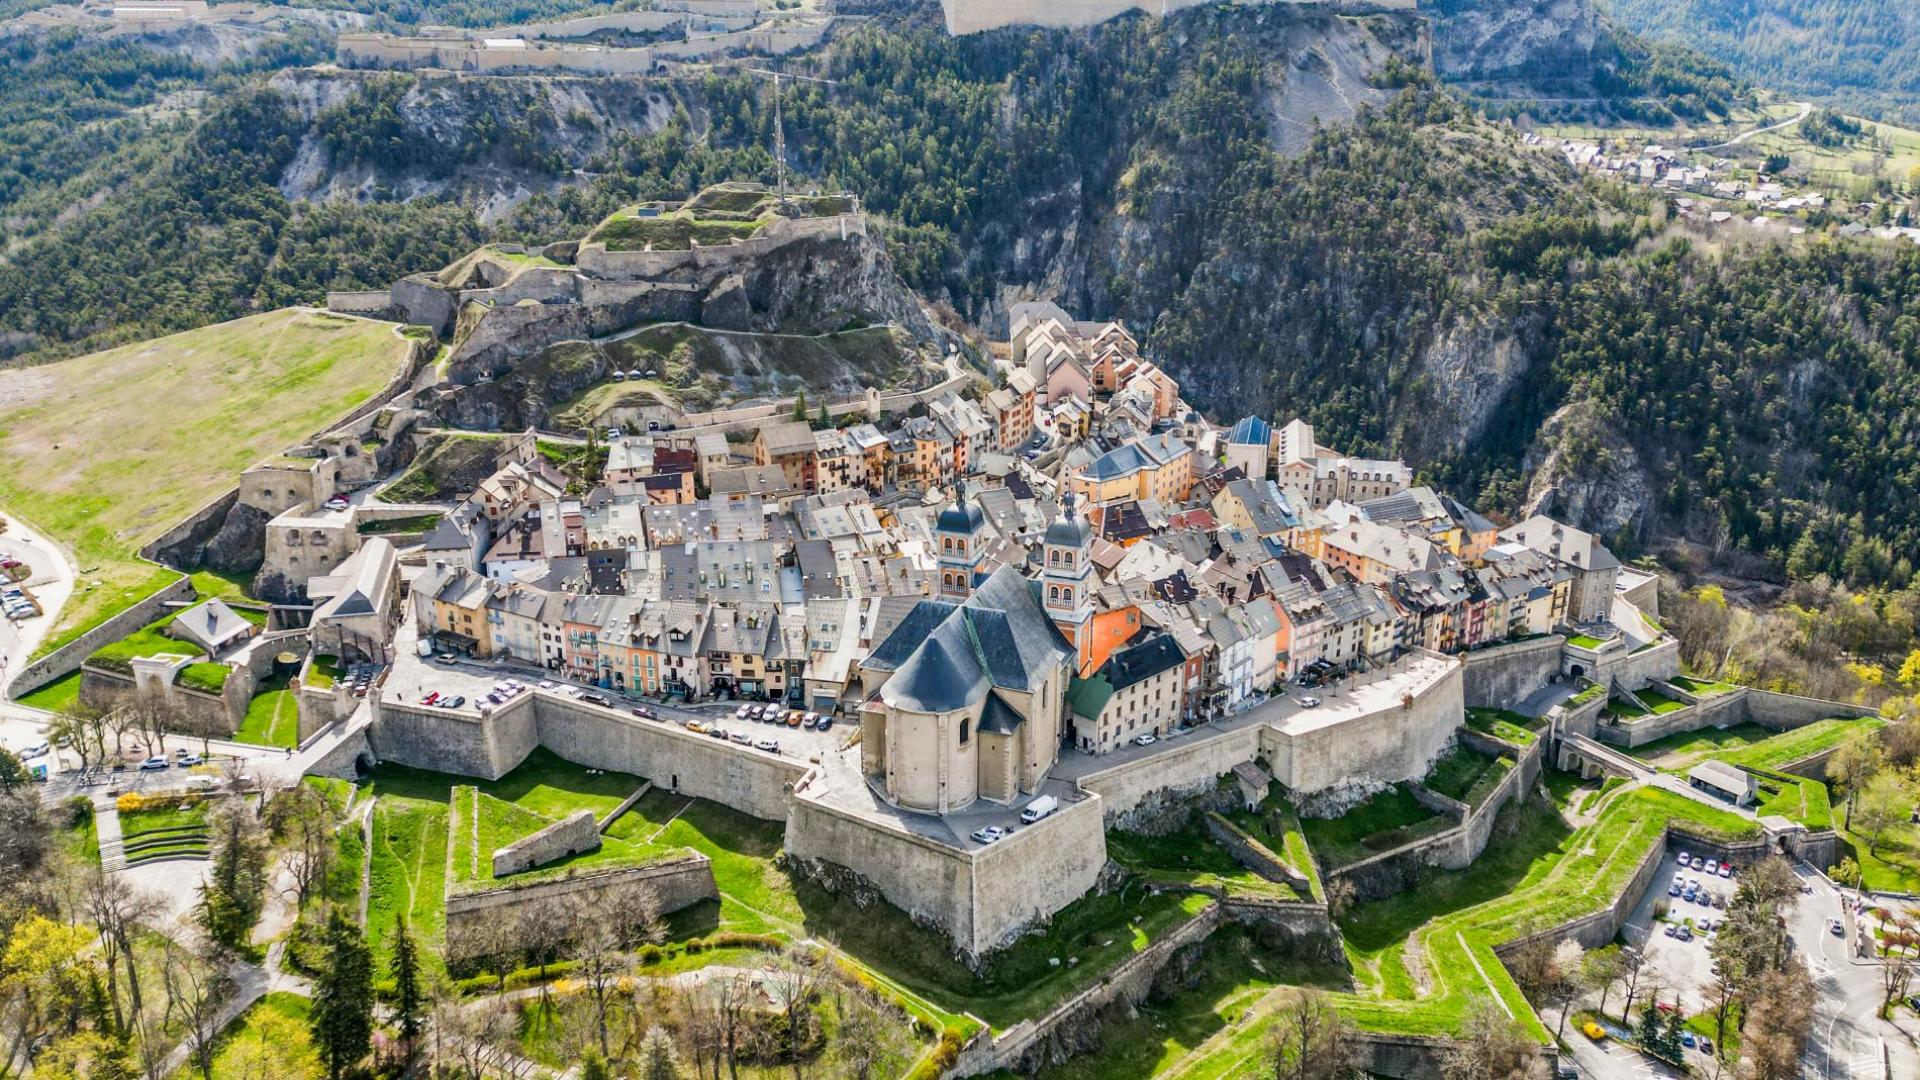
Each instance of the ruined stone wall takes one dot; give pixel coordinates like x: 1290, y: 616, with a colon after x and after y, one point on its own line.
x: 574, y: 834
x: 678, y: 882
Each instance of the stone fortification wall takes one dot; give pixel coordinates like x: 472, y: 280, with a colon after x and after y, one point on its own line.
x: 678, y: 882
x: 982, y: 897
x: 418, y: 298
x: 1580, y: 719
x: 642, y: 22
x: 1455, y: 848
x: 595, y: 260
x: 672, y: 757
x: 1627, y: 669
x: 1396, y: 742
x: 68, y: 658
x: 455, y: 740
x: 1189, y: 768
x: 1499, y: 677
x: 1784, y: 712
x: 1596, y: 929
x: 1254, y: 855
x: 360, y: 302
x: 576, y: 833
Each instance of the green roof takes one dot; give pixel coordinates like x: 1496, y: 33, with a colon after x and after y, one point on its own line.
x: 1086, y: 697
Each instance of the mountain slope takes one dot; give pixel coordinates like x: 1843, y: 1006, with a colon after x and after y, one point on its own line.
x: 1860, y: 55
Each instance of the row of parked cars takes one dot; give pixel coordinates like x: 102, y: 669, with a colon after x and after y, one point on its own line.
x: 740, y: 738
x: 182, y: 759
x: 780, y: 714
x: 17, y: 604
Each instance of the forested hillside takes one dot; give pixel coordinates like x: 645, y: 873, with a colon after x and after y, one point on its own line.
x: 1409, y: 276
x: 1859, y: 55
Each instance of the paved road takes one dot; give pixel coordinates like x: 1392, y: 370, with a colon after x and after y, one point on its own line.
x: 51, y: 583
x: 1806, y: 110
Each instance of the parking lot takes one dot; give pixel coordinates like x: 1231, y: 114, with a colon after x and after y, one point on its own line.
x: 1694, y: 902
x: 469, y: 682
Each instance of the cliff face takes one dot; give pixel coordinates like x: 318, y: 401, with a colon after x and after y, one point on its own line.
x: 1513, y: 40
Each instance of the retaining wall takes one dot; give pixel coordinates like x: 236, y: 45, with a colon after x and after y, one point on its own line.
x: 577, y: 832
x: 1190, y: 769
x: 673, y: 758
x: 678, y: 882
x: 68, y: 658
x: 982, y: 897
x: 455, y: 740
x: 1254, y: 855
x: 1784, y: 712
x: 1498, y: 677
x: 360, y: 302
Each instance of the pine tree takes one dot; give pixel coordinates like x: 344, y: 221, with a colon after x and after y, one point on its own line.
x: 409, y: 998
x: 657, y: 1061
x: 342, y: 1015
x: 235, y: 890
x: 800, y: 406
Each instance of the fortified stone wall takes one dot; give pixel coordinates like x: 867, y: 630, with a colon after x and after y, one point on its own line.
x: 932, y: 883
x: 1024, y: 878
x: 1784, y: 712
x: 1193, y: 768
x: 68, y: 658
x: 1498, y: 677
x: 673, y: 758
x: 678, y: 882
x: 576, y: 833
x: 595, y: 260
x: 455, y: 740
x: 1394, y: 743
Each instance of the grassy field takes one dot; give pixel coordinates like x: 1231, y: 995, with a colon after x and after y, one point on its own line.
x: 273, y: 716
x: 59, y: 695
x: 1658, y: 703
x: 95, y: 464
x: 408, y: 860
x: 1791, y: 746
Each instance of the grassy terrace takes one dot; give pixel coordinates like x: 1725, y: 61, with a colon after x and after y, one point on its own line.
x: 1505, y: 725
x: 1585, y: 641
x: 1619, y: 708
x: 273, y: 716
x: 82, y: 442
x: 1384, y: 822
x: 59, y: 695
x: 164, y: 832
x: 1788, y: 747
x: 1658, y: 703
x: 628, y: 230
x: 1534, y: 875
x: 1702, y: 688
x: 1191, y: 859
x: 1461, y: 770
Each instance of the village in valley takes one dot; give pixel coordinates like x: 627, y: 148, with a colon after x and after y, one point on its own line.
x: 683, y: 650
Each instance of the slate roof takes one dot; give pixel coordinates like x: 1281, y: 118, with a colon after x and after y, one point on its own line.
x: 998, y: 637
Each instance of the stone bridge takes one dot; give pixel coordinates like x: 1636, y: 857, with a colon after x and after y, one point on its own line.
x: 1578, y: 753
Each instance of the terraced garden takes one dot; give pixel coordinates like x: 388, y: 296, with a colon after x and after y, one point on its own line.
x: 165, y: 832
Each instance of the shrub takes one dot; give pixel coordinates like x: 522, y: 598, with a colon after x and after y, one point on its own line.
x: 79, y: 810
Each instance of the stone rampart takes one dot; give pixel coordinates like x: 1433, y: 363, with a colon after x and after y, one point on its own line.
x: 458, y: 741
x: 1254, y: 855
x: 673, y: 758
x: 1500, y: 676
x: 595, y: 260
x: 983, y: 896
x: 1784, y: 712
x: 360, y: 302
x: 677, y: 882
x: 1189, y: 768
x: 68, y: 658
x: 974, y: 16
x: 576, y: 833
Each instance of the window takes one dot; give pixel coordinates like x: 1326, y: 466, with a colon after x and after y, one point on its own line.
x: 965, y: 728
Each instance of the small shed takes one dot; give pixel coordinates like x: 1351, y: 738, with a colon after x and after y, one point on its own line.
x: 1722, y: 780
x: 213, y: 626
x: 1254, y: 782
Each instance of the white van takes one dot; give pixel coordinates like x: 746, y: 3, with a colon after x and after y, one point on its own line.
x: 1039, y: 808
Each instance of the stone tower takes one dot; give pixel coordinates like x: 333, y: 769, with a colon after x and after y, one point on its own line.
x: 959, y: 532
x: 1066, y: 578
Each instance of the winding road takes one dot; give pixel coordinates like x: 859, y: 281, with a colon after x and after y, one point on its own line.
x: 1806, y: 110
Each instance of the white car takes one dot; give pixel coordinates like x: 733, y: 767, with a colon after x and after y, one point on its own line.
x: 1309, y: 702
x: 1144, y: 740
x: 548, y: 684
x: 989, y: 834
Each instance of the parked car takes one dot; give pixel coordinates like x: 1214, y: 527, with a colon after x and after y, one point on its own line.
x: 153, y: 764
x: 1673, y: 889
x: 1144, y: 740
x: 989, y: 834
x: 826, y: 722
x: 1835, y: 928
x: 444, y: 658
x: 431, y: 697
x: 1712, y: 867
x: 742, y: 712
x: 455, y: 702
x: 696, y: 727
x: 1686, y: 1039
x: 598, y: 699
x: 1670, y: 930
x: 548, y: 684
x: 1309, y: 702
x: 768, y: 745
x: 742, y: 738
x: 1039, y: 808
x: 188, y: 761
x: 1726, y: 871
x: 794, y: 718
x: 1593, y: 1031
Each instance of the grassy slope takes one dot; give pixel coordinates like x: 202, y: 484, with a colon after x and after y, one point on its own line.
x: 1534, y: 875
x: 108, y: 451
x: 273, y: 716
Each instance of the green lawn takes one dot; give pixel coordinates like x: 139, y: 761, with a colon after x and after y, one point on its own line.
x: 1385, y: 821
x: 1788, y: 747
x: 1658, y: 703
x: 1894, y: 867
x: 149, y: 640
x: 1585, y: 641
x: 164, y: 832
x: 1277, y: 827
x: 80, y: 836
x: 1190, y: 858
x: 273, y: 716
x: 1505, y: 725
x: 1620, y: 708
x: 59, y: 695
x: 409, y: 859
x: 1795, y: 798
x: 85, y: 448
x: 1534, y: 875
x: 1702, y: 688
x: 1707, y: 741
x: 323, y: 672
x: 206, y: 677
